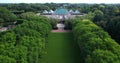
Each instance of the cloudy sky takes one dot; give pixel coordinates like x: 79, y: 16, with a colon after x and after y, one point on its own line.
x: 60, y: 1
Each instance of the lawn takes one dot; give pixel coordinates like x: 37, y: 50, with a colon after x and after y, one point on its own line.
x: 61, y: 49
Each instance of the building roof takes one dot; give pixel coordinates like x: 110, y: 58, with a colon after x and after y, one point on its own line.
x: 61, y: 11
x: 77, y: 11
x: 51, y: 11
x: 71, y: 11
x: 45, y: 11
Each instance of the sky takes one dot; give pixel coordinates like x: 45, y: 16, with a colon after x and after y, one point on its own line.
x: 60, y: 1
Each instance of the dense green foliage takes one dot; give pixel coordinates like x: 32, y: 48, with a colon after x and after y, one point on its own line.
x: 25, y: 7
x: 25, y: 43
x: 53, y: 23
x: 6, y: 15
x: 100, y: 14
x: 95, y: 44
x: 113, y: 28
x: 106, y: 16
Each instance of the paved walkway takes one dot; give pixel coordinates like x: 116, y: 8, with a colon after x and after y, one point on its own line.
x: 3, y: 29
x: 61, y: 30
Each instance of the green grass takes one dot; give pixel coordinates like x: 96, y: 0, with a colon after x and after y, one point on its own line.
x: 61, y: 49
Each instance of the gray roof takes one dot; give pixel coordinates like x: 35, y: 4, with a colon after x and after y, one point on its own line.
x: 45, y: 11
x: 77, y: 11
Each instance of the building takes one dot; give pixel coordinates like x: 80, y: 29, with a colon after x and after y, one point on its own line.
x: 61, y: 13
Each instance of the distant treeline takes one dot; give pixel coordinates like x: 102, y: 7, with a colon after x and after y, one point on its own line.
x: 38, y: 7
x: 106, y: 16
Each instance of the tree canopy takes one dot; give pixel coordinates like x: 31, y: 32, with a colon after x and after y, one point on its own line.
x: 6, y: 15
x: 95, y: 44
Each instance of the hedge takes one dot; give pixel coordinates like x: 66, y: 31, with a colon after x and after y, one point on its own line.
x: 95, y: 44
x: 26, y: 43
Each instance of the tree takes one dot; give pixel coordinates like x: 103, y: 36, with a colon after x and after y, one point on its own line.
x: 25, y: 43
x: 53, y: 22
x: 98, y: 15
x: 95, y: 44
x: 6, y: 59
x: 28, y: 16
x: 6, y: 15
x: 113, y: 28
x: 102, y: 56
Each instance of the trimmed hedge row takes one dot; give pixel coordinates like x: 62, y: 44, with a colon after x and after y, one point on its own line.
x: 26, y: 43
x: 95, y: 44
